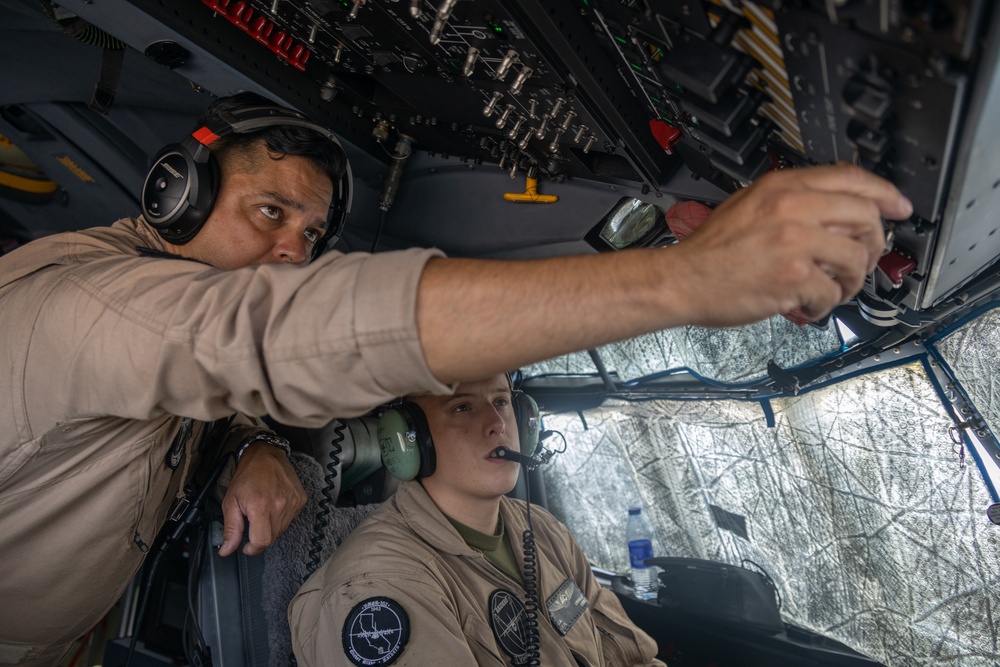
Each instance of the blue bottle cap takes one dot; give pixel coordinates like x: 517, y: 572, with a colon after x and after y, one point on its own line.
x: 634, y: 510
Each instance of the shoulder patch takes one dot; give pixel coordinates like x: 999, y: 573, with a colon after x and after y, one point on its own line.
x: 509, y: 622
x: 375, y: 632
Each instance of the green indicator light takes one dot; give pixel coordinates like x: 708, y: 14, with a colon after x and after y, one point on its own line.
x: 620, y: 39
x: 453, y: 65
x: 656, y: 99
x: 637, y: 68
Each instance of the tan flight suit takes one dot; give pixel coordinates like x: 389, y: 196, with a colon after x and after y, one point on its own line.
x: 104, y: 349
x: 405, y: 588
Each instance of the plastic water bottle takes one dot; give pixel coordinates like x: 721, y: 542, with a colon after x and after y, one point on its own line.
x: 640, y: 547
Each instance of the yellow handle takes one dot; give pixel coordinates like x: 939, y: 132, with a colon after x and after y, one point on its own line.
x: 530, y: 194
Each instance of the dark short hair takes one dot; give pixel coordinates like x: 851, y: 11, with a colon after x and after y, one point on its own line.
x: 281, y: 140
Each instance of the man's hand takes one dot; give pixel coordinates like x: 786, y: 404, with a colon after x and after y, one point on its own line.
x: 266, y: 490
x: 801, y: 238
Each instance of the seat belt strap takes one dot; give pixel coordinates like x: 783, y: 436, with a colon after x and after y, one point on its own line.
x: 107, y: 83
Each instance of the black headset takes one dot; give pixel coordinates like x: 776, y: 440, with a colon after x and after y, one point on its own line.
x: 408, y: 449
x: 183, y: 179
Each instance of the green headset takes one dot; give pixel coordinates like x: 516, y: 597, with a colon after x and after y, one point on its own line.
x: 404, y: 437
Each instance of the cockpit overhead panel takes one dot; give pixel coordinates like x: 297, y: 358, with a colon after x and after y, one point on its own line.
x: 641, y: 93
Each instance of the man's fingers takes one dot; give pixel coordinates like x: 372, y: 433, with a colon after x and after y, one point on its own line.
x: 232, y: 532
x: 260, y: 527
x: 820, y: 294
x: 848, y: 179
x: 850, y: 216
x: 843, y: 260
x: 837, y: 274
x: 261, y: 533
x: 831, y: 209
x: 835, y: 213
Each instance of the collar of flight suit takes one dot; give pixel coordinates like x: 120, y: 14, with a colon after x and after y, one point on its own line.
x: 431, y: 525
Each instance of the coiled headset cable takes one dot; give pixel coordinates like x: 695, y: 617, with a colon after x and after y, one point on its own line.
x: 530, y: 575
x: 530, y: 572
x: 327, y: 500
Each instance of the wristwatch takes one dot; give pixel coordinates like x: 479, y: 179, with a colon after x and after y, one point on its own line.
x: 268, y: 437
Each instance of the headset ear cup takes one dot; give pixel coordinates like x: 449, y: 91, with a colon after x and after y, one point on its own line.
x: 526, y: 412
x: 337, y: 217
x: 405, y: 442
x: 179, y: 192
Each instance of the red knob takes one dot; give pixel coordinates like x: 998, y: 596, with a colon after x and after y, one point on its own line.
x: 257, y: 25
x: 665, y: 134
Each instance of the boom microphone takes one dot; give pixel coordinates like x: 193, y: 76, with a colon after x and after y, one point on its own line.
x: 517, y: 457
x: 541, y: 457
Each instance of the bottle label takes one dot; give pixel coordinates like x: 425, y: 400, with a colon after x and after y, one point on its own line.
x: 639, y: 551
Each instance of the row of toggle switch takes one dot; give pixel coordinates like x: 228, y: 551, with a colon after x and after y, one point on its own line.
x: 540, y: 131
x: 509, y: 60
x: 279, y: 42
x: 511, y: 159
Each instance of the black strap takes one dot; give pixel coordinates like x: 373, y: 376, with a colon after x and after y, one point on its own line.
x: 254, y: 622
x: 162, y: 254
x: 107, y: 83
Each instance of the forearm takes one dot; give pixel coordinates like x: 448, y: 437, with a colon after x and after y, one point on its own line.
x: 481, y: 317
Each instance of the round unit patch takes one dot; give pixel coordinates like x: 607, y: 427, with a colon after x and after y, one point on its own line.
x: 375, y: 632
x: 510, y: 625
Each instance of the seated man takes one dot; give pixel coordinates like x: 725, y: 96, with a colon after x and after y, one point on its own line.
x: 437, y: 576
